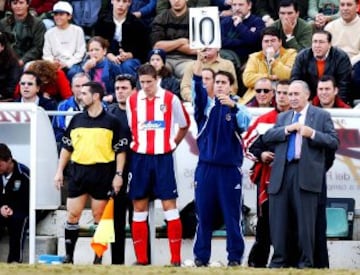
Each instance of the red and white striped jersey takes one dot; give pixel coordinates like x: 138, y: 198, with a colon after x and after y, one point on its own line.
x: 152, y: 122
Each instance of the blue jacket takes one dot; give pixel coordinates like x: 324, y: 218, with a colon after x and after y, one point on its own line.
x: 244, y: 38
x: 59, y: 123
x: 219, y: 128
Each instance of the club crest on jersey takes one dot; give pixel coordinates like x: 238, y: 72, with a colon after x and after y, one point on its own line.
x: 228, y: 117
x: 163, y: 108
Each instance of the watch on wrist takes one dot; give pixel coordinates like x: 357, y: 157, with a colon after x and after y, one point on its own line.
x: 119, y: 173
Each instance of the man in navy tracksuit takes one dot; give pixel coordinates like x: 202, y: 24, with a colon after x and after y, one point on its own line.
x: 218, y: 178
x: 14, y: 202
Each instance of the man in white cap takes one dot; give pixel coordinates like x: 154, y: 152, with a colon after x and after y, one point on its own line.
x: 65, y: 43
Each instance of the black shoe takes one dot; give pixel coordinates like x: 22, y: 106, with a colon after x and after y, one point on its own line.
x: 68, y: 260
x: 97, y: 260
x: 199, y: 263
x: 233, y: 263
x: 176, y: 264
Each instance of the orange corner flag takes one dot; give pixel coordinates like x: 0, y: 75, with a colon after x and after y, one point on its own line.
x: 104, y: 233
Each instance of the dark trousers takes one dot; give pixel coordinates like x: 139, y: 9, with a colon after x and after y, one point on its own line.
x: 293, y: 206
x: 17, y: 226
x: 321, y: 256
x: 259, y: 253
x: 121, y: 204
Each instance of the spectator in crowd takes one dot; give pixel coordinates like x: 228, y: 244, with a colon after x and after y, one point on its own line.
x: 240, y: 33
x: 54, y: 83
x: 30, y: 85
x: 213, y: 60
x: 345, y: 36
x: 218, y: 179
x: 96, y: 146
x: 145, y: 10
x: 14, y: 202
x: 10, y: 70
x: 327, y: 94
x: 27, y: 32
x: 293, y: 196
x: 86, y: 14
x: 65, y: 43
x: 323, y: 59
x: 208, y: 78
x: 152, y: 115
x: 263, y: 156
x: 264, y: 96
x: 162, y: 5
x: 124, y: 87
x: 295, y: 32
x: 170, y: 32
x: 128, y: 37
x: 273, y: 62
x: 100, y: 68
x: 321, y: 12
x: 61, y: 122
x: 166, y: 80
x: 42, y: 10
x: 269, y: 10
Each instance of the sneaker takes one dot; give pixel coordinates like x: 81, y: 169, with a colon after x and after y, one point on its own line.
x: 233, y: 263
x: 97, y: 260
x: 175, y: 264
x: 68, y: 260
x: 188, y: 263
x: 216, y: 264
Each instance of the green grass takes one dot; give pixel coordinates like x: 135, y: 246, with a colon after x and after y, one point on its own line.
x: 112, y: 269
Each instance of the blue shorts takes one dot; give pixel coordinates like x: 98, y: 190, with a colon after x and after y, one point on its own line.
x: 152, y: 176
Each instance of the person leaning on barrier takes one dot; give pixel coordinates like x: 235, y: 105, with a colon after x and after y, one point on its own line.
x: 327, y: 94
x: 30, y: 91
x: 95, y: 145
x: 14, y: 202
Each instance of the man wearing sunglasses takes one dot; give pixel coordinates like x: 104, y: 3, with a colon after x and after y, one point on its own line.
x: 264, y: 94
x: 30, y: 91
x: 262, y: 156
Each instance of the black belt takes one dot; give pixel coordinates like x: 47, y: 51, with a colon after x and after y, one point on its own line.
x: 293, y: 161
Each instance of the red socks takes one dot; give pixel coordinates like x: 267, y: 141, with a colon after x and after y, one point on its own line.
x: 140, y: 240
x: 174, y: 231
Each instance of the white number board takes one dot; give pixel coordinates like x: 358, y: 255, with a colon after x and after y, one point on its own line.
x: 204, y: 28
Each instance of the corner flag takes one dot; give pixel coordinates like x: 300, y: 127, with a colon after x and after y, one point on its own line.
x: 104, y: 233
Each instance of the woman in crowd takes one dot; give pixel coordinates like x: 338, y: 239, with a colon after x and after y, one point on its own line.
x: 54, y: 83
x: 99, y: 67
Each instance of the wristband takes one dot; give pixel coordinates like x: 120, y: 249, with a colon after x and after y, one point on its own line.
x: 118, y: 173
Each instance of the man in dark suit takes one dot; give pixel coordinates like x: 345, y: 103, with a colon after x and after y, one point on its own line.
x: 298, y: 173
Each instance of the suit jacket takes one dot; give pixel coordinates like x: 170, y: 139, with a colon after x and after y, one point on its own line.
x: 312, y: 163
